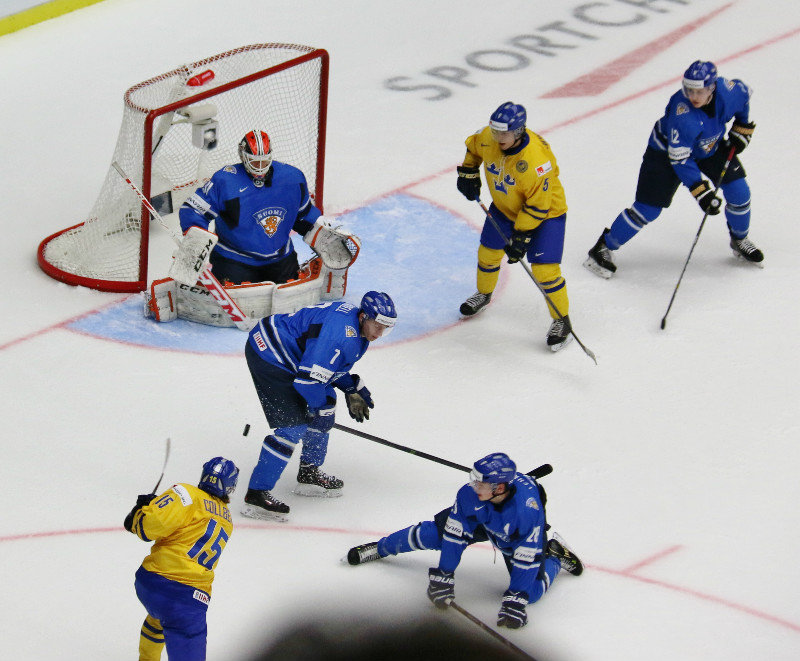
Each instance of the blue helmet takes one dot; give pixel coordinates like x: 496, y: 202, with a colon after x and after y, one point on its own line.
x: 494, y: 468
x: 379, y: 306
x: 219, y: 477
x: 509, y: 117
x: 699, y: 75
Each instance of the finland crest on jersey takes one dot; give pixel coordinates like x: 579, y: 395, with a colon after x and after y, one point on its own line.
x: 270, y: 219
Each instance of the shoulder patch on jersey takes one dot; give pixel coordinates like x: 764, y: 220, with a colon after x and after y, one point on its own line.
x: 682, y: 109
x: 531, y: 502
x: 544, y: 168
x: 730, y: 84
x: 349, y: 331
x: 183, y: 494
x: 522, y: 166
x: 229, y: 168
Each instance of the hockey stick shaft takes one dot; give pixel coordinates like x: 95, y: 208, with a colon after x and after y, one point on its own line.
x: 164, y: 468
x: 206, y: 277
x: 547, y: 298
x: 541, y: 471
x: 499, y: 638
x: 731, y: 154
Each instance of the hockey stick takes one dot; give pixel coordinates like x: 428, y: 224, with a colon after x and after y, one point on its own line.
x: 206, y: 277
x: 536, y: 473
x: 697, y: 236
x: 164, y: 469
x: 527, y: 268
x: 501, y: 639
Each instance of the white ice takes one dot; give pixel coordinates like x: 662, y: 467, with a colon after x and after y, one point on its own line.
x: 676, y: 457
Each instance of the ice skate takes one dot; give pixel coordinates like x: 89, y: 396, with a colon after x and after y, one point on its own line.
x: 311, y: 481
x: 358, y: 555
x: 559, y: 334
x: 599, y: 260
x: 557, y: 548
x: 475, y: 304
x: 745, y: 249
x: 263, y: 505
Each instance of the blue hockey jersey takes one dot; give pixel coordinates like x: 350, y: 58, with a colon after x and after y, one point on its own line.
x: 319, y: 344
x: 253, y: 223
x: 689, y: 134
x: 516, y: 527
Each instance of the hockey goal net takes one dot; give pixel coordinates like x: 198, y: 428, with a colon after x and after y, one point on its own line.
x: 177, y: 130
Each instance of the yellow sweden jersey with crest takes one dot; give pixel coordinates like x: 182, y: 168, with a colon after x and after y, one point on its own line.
x: 524, y: 186
x: 190, y: 529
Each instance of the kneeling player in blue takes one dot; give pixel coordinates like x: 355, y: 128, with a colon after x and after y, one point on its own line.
x: 297, y: 361
x: 687, y: 143
x: 190, y: 527
x: 499, y: 505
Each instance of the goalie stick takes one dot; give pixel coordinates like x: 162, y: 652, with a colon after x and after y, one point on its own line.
x: 527, y: 268
x: 206, y: 277
x: 536, y: 473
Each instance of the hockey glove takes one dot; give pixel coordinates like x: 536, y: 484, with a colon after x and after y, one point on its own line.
x: 469, y: 182
x: 512, y: 610
x: 322, y: 419
x: 740, y: 135
x: 441, y: 587
x: 706, y: 198
x: 520, y: 242
x: 359, y: 399
x: 141, y: 501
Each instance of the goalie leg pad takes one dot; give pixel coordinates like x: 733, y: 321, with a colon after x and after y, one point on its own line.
x: 162, y: 301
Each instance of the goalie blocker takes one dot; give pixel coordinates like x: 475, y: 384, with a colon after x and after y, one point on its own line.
x: 323, y: 278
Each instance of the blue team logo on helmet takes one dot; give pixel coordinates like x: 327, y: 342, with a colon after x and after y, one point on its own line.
x: 379, y: 306
x: 219, y: 477
x: 699, y: 75
x: 509, y: 117
x: 494, y: 468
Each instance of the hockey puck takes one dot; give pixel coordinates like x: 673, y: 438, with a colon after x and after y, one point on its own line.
x: 246, y: 430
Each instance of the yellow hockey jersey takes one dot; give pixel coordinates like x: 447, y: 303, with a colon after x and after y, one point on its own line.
x: 190, y: 529
x: 524, y: 185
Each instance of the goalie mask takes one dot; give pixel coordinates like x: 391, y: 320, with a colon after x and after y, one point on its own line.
x: 255, y: 153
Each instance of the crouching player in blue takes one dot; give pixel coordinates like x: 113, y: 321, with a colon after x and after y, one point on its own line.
x: 499, y: 505
x: 297, y: 361
x: 190, y: 527
x: 685, y: 145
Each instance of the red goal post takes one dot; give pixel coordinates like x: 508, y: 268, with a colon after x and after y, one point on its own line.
x: 177, y: 130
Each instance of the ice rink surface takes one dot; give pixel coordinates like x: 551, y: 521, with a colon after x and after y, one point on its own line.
x: 676, y: 457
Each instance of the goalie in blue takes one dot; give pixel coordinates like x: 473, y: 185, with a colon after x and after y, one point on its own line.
x: 502, y: 506
x: 688, y: 146
x: 297, y: 361
x: 254, y: 206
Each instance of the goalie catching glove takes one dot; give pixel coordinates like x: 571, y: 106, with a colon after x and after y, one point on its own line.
x: 337, y: 247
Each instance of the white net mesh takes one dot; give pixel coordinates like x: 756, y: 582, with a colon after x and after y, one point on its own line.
x: 107, y: 250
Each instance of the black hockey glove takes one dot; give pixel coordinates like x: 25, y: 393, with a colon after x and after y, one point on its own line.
x: 141, y: 501
x: 740, y: 135
x: 520, y: 242
x: 469, y: 182
x: 512, y: 611
x: 441, y: 587
x: 706, y: 198
x: 359, y: 400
